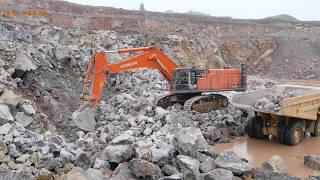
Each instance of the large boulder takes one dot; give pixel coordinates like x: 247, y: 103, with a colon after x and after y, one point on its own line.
x: 162, y: 154
x: 207, y: 165
x: 123, y: 139
x: 218, y: 174
x: 24, y: 119
x: 5, y: 129
x: 189, y: 166
x: 123, y: 172
x: 82, y: 159
x: 190, y: 141
x: 23, y: 63
x: 5, y: 115
x: 9, y: 98
x: 61, y: 53
x: 312, y: 161
x: 145, y: 169
x: 28, y: 109
x: 230, y: 161
x: 275, y: 164
x: 117, y: 153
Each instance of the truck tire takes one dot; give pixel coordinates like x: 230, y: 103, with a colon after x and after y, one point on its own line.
x: 316, y: 131
x: 257, y: 128
x: 281, y: 132
x: 294, y: 133
x: 249, y: 127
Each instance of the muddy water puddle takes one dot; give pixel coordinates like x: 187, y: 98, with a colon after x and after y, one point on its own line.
x: 259, y: 151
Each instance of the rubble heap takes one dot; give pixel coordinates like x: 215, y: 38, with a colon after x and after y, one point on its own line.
x: 40, y: 87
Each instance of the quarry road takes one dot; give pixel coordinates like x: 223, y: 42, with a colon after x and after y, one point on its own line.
x: 259, y: 151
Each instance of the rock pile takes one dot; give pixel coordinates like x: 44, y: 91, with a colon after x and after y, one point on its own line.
x: 134, y: 139
x: 272, y: 102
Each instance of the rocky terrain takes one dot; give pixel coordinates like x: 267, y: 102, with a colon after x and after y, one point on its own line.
x: 42, y: 62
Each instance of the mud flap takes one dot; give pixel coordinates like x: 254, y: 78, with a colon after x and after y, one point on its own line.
x: 85, y: 119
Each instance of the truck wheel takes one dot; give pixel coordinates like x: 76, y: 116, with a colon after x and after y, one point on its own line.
x: 249, y: 127
x: 316, y: 128
x: 257, y: 128
x: 294, y: 133
x: 281, y: 132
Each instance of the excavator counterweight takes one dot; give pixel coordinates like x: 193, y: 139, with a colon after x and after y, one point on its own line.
x: 187, y: 85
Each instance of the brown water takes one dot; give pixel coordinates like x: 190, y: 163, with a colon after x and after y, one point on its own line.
x: 259, y: 151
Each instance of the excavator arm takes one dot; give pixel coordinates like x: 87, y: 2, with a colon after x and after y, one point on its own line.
x: 99, y: 68
x: 149, y: 57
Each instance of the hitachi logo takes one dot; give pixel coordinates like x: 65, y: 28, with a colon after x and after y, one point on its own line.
x: 128, y: 64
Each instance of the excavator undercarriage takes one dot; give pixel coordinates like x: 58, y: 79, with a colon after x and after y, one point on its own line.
x: 194, y: 101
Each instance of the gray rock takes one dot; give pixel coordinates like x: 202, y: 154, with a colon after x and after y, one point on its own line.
x: 117, y: 153
x: 163, y: 154
x: 8, y: 138
x: 28, y: 109
x: 189, y: 166
x: 94, y: 174
x: 61, y: 53
x: 143, y: 153
x: 24, y: 119
x: 3, y: 147
x: 123, y: 139
x: 230, y: 161
x: 23, y: 158
x: 172, y: 177
x: 99, y: 163
x: 208, y: 165
x: 66, y: 156
x: 4, y: 158
x: 44, y: 174
x: 189, y: 141
x: 147, y: 132
x: 82, y: 159
x: 160, y: 111
x: 9, y: 98
x: 45, y: 149
x: 12, y: 165
x: 13, y: 152
x: 218, y: 174
x: 169, y: 170
x: 312, y: 161
x: 123, y: 172
x: 5, y: 115
x: 76, y: 173
x: 275, y: 164
x: 24, y: 62
x: 6, y: 174
x: 143, y: 168
x: 178, y: 120
x: 156, y: 126
x: 47, y: 163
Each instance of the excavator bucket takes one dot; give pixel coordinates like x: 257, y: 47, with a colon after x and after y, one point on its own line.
x: 84, y: 119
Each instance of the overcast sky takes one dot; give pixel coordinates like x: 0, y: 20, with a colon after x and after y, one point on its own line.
x: 300, y: 9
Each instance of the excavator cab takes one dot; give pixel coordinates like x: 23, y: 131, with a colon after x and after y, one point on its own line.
x: 184, y: 79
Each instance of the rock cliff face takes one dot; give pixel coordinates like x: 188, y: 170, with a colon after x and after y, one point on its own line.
x: 267, y: 46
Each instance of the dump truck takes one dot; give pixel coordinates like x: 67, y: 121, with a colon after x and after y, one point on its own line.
x: 295, y: 111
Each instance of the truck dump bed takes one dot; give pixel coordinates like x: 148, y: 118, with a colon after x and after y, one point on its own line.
x: 300, y: 101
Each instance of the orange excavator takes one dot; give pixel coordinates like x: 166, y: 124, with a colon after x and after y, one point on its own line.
x: 195, y: 89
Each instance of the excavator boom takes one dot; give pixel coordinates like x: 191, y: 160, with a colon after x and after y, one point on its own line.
x: 99, y: 68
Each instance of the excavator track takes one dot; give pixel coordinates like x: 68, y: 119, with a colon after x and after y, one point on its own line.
x: 167, y: 100
x: 206, y: 103
x: 194, y: 101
